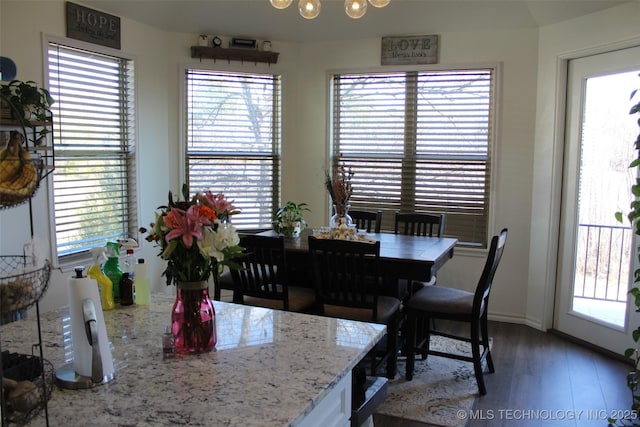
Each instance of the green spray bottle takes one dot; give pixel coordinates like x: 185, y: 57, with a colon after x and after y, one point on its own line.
x: 112, y: 269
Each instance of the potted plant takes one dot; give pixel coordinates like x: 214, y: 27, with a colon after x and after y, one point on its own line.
x: 288, y: 220
x: 29, y: 104
x: 633, y: 377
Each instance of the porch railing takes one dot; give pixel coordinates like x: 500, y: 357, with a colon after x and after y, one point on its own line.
x: 603, y: 262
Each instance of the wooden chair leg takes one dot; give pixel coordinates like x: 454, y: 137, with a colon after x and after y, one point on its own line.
x: 410, y: 344
x: 477, y: 361
x: 426, y: 336
x: 392, y: 349
x: 485, y: 341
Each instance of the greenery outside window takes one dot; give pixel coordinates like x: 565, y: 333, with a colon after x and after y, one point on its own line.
x: 233, y: 135
x: 418, y: 141
x: 94, y: 186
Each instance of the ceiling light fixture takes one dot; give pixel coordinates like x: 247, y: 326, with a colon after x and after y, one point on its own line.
x: 281, y: 4
x: 310, y: 9
x: 379, y: 3
x: 355, y: 8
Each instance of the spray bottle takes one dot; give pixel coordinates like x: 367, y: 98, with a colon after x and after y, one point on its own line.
x: 104, y: 283
x: 112, y: 268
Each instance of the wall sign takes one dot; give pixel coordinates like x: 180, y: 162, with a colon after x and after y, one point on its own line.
x: 92, y: 26
x: 409, y: 50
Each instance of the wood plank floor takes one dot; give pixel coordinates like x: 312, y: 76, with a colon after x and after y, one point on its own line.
x: 543, y: 380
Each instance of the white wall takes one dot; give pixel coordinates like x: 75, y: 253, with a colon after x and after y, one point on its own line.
x: 20, y: 39
x: 160, y: 56
x: 515, y: 52
x: 600, y: 32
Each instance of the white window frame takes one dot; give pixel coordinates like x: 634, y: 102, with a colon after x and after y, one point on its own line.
x: 276, y: 143
x: 493, y: 148
x: 67, y: 261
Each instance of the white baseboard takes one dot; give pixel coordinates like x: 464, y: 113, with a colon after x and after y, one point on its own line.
x: 512, y: 318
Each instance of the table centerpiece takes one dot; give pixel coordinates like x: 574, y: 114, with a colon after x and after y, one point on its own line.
x: 338, y: 184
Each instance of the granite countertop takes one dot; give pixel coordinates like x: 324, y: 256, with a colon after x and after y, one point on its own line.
x: 269, y: 367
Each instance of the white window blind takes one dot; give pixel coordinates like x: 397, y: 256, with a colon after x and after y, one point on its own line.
x: 418, y: 141
x: 233, y: 140
x: 94, y: 186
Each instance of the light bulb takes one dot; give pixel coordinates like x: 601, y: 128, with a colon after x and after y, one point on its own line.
x: 281, y: 4
x: 309, y: 9
x: 379, y: 3
x: 355, y: 8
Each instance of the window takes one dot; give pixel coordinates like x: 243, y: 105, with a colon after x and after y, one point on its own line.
x: 233, y: 140
x: 94, y: 184
x: 418, y: 141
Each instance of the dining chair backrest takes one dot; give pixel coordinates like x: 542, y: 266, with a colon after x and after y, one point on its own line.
x: 455, y: 305
x: 345, y: 273
x: 483, y: 289
x: 366, y: 220
x: 263, y: 269
x: 419, y: 224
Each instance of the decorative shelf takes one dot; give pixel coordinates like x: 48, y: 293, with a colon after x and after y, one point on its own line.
x: 16, y: 123
x: 244, y: 55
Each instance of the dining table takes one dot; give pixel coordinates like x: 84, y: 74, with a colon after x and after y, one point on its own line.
x: 402, y: 257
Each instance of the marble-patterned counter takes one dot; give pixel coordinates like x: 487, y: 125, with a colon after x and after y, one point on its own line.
x: 269, y: 367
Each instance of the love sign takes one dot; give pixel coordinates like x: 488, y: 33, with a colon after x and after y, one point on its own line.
x: 409, y: 50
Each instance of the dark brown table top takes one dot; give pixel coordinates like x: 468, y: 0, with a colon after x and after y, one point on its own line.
x: 410, y: 257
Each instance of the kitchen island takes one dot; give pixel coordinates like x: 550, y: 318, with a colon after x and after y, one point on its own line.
x: 269, y: 368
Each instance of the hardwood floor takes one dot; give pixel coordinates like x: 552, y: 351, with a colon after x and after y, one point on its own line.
x: 543, y: 380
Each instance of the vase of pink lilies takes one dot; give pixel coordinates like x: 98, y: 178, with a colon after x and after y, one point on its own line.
x: 197, y: 240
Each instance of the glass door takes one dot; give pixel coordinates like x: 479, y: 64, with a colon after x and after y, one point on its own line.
x: 596, y: 251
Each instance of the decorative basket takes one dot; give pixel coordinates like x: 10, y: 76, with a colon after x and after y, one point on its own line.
x: 22, y: 283
x: 27, y: 384
x: 24, y: 185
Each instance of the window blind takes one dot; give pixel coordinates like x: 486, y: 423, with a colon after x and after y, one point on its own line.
x: 233, y: 140
x: 94, y: 189
x: 418, y: 141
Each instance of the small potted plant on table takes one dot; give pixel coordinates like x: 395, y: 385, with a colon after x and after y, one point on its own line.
x: 288, y: 220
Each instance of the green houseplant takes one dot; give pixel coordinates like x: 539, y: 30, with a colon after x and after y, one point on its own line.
x: 29, y: 103
x: 633, y: 377
x: 288, y: 219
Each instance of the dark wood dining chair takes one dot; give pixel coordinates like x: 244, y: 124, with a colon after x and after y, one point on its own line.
x: 439, y: 302
x: 348, y: 286
x: 419, y: 224
x: 262, y: 278
x: 366, y: 220
x: 225, y: 281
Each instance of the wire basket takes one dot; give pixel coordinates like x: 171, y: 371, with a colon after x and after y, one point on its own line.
x: 27, y: 383
x: 24, y: 185
x: 22, y: 283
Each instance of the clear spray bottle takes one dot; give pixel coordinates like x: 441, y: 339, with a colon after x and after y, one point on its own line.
x: 104, y: 283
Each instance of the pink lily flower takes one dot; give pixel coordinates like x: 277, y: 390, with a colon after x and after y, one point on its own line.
x: 185, y: 224
x: 218, y: 203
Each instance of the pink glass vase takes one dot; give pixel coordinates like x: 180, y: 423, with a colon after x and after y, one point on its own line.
x: 193, y: 319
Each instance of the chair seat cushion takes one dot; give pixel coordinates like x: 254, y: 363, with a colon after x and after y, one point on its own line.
x: 300, y: 299
x: 387, y: 307
x: 439, y: 299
